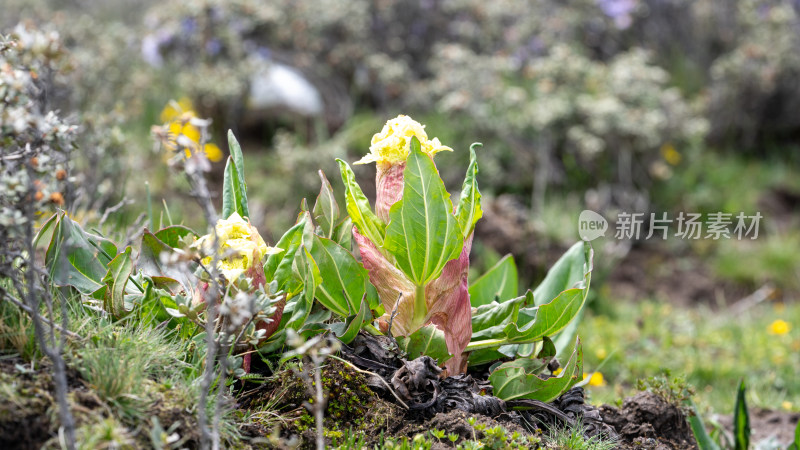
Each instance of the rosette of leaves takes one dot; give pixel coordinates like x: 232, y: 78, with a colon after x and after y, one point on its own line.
x: 531, y: 329
x: 417, y: 246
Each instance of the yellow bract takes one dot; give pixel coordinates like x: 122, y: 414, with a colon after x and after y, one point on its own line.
x: 241, y: 247
x: 779, y: 327
x: 393, y: 144
x: 178, y: 117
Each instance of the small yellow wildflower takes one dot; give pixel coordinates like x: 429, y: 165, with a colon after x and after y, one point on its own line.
x: 786, y: 405
x: 393, y: 144
x: 241, y: 247
x: 670, y: 154
x: 183, y: 131
x: 596, y: 379
x: 600, y: 353
x: 779, y: 327
x: 175, y: 109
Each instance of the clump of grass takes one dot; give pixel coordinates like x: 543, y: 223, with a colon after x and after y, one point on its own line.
x: 672, y: 389
x: 124, y: 363
x: 16, y: 332
x: 572, y: 438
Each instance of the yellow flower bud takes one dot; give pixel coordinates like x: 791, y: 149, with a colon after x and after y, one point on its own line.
x: 393, y: 144
x: 240, y: 246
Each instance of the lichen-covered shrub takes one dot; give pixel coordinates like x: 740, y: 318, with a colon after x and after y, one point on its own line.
x: 36, y: 141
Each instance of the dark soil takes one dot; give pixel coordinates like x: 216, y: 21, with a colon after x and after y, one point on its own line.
x: 766, y: 424
x: 420, y: 401
x: 648, y: 421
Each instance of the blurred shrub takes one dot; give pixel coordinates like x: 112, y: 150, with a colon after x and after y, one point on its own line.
x: 755, y: 88
x: 35, y: 141
x: 575, y: 118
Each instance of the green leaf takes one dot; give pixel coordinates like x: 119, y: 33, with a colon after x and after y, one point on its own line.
x: 497, y: 284
x: 172, y: 235
x: 495, y: 314
x: 346, y: 331
x: 469, y: 210
x: 565, y: 273
x: 119, y: 271
x: 343, y: 234
x: 231, y: 191
x: 358, y: 207
x: 45, y: 233
x: 343, y: 278
x: 78, y: 259
x: 428, y: 340
x: 741, y: 421
x: 278, y: 266
x: 517, y: 379
x: 149, y: 261
x: 422, y: 233
x: 550, y: 318
x: 326, y: 210
x: 796, y: 444
x: 704, y: 440
x: 234, y: 188
x: 298, y: 307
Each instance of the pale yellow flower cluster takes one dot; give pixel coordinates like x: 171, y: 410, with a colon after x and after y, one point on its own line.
x: 392, y: 145
x: 241, y: 247
x: 183, y: 130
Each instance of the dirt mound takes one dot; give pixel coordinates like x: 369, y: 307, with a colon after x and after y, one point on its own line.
x: 648, y: 421
x: 767, y: 424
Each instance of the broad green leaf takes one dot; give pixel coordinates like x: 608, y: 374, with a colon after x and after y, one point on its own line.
x: 550, y: 318
x: 78, y: 259
x: 428, y: 340
x: 326, y: 210
x: 498, y: 284
x: 150, y: 264
x: 232, y: 196
x: 704, y: 440
x: 422, y: 233
x: 343, y: 278
x: 522, y: 314
x: 495, y: 314
x: 484, y: 356
x: 278, y: 266
x: 468, y: 210
x: 741, y: 421
x: 517, y: 380
x: 119, y: 271
x: 234, y: 188
x: 346, y: 331
x: 358, y: 207
x: 567, y: 336
x: 172, y: 235
x: 565, y: 273
x: 343, y: 234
